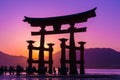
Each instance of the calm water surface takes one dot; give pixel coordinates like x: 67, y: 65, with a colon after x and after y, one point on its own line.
x: 103, y: 71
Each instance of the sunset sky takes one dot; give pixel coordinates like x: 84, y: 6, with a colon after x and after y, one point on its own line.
x: 102, y: 31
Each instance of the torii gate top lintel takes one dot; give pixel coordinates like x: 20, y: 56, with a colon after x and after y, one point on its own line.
x: 55, y: 21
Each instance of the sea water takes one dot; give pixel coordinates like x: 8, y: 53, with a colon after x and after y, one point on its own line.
x: 103, y: 71
x: 95, y: 72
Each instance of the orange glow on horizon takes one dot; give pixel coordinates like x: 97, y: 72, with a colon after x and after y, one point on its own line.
x: 35, y: 54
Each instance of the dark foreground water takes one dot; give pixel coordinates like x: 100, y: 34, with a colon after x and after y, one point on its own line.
x: 91, y: 74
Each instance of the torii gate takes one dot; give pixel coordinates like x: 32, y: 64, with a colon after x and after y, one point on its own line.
x: 56, y: 22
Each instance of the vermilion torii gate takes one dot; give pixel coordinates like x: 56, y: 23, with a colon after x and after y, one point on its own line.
x: 56, y: 22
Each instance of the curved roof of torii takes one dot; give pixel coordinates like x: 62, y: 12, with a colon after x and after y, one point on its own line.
x: 68, y: 19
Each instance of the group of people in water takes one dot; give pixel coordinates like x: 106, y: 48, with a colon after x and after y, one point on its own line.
x: 17, y: 70
x: 11, y: 70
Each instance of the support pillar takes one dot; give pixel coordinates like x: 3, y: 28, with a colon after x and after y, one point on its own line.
x: 50, y: 57
x: 41, y: 68
x: 63, y: 58
x: 82, y: 70
x: 30, y: 47
x: 72, y: 55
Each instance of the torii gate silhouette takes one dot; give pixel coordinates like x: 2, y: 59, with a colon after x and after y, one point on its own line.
x: 56, y: 22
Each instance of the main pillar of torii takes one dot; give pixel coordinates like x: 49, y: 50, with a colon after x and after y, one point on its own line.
x: 56, y: 22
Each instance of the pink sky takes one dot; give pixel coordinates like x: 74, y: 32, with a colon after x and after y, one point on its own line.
x: 102, y: 31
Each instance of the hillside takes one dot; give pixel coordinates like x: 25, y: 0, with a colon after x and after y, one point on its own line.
x: 97, y: 58
x: 7, y: 60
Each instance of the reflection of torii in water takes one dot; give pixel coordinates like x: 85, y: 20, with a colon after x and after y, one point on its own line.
x: 56, y: 22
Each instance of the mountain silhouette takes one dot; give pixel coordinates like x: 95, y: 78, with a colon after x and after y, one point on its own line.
x: 7, y: 60
x: 104, y: 58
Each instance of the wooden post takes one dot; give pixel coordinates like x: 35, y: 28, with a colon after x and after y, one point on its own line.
x: 72, y: 54
x: 63, y: 58
x: 30, y: 47
x: 82, y: 70
x: 50, y: 57
x: 41, y: 68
